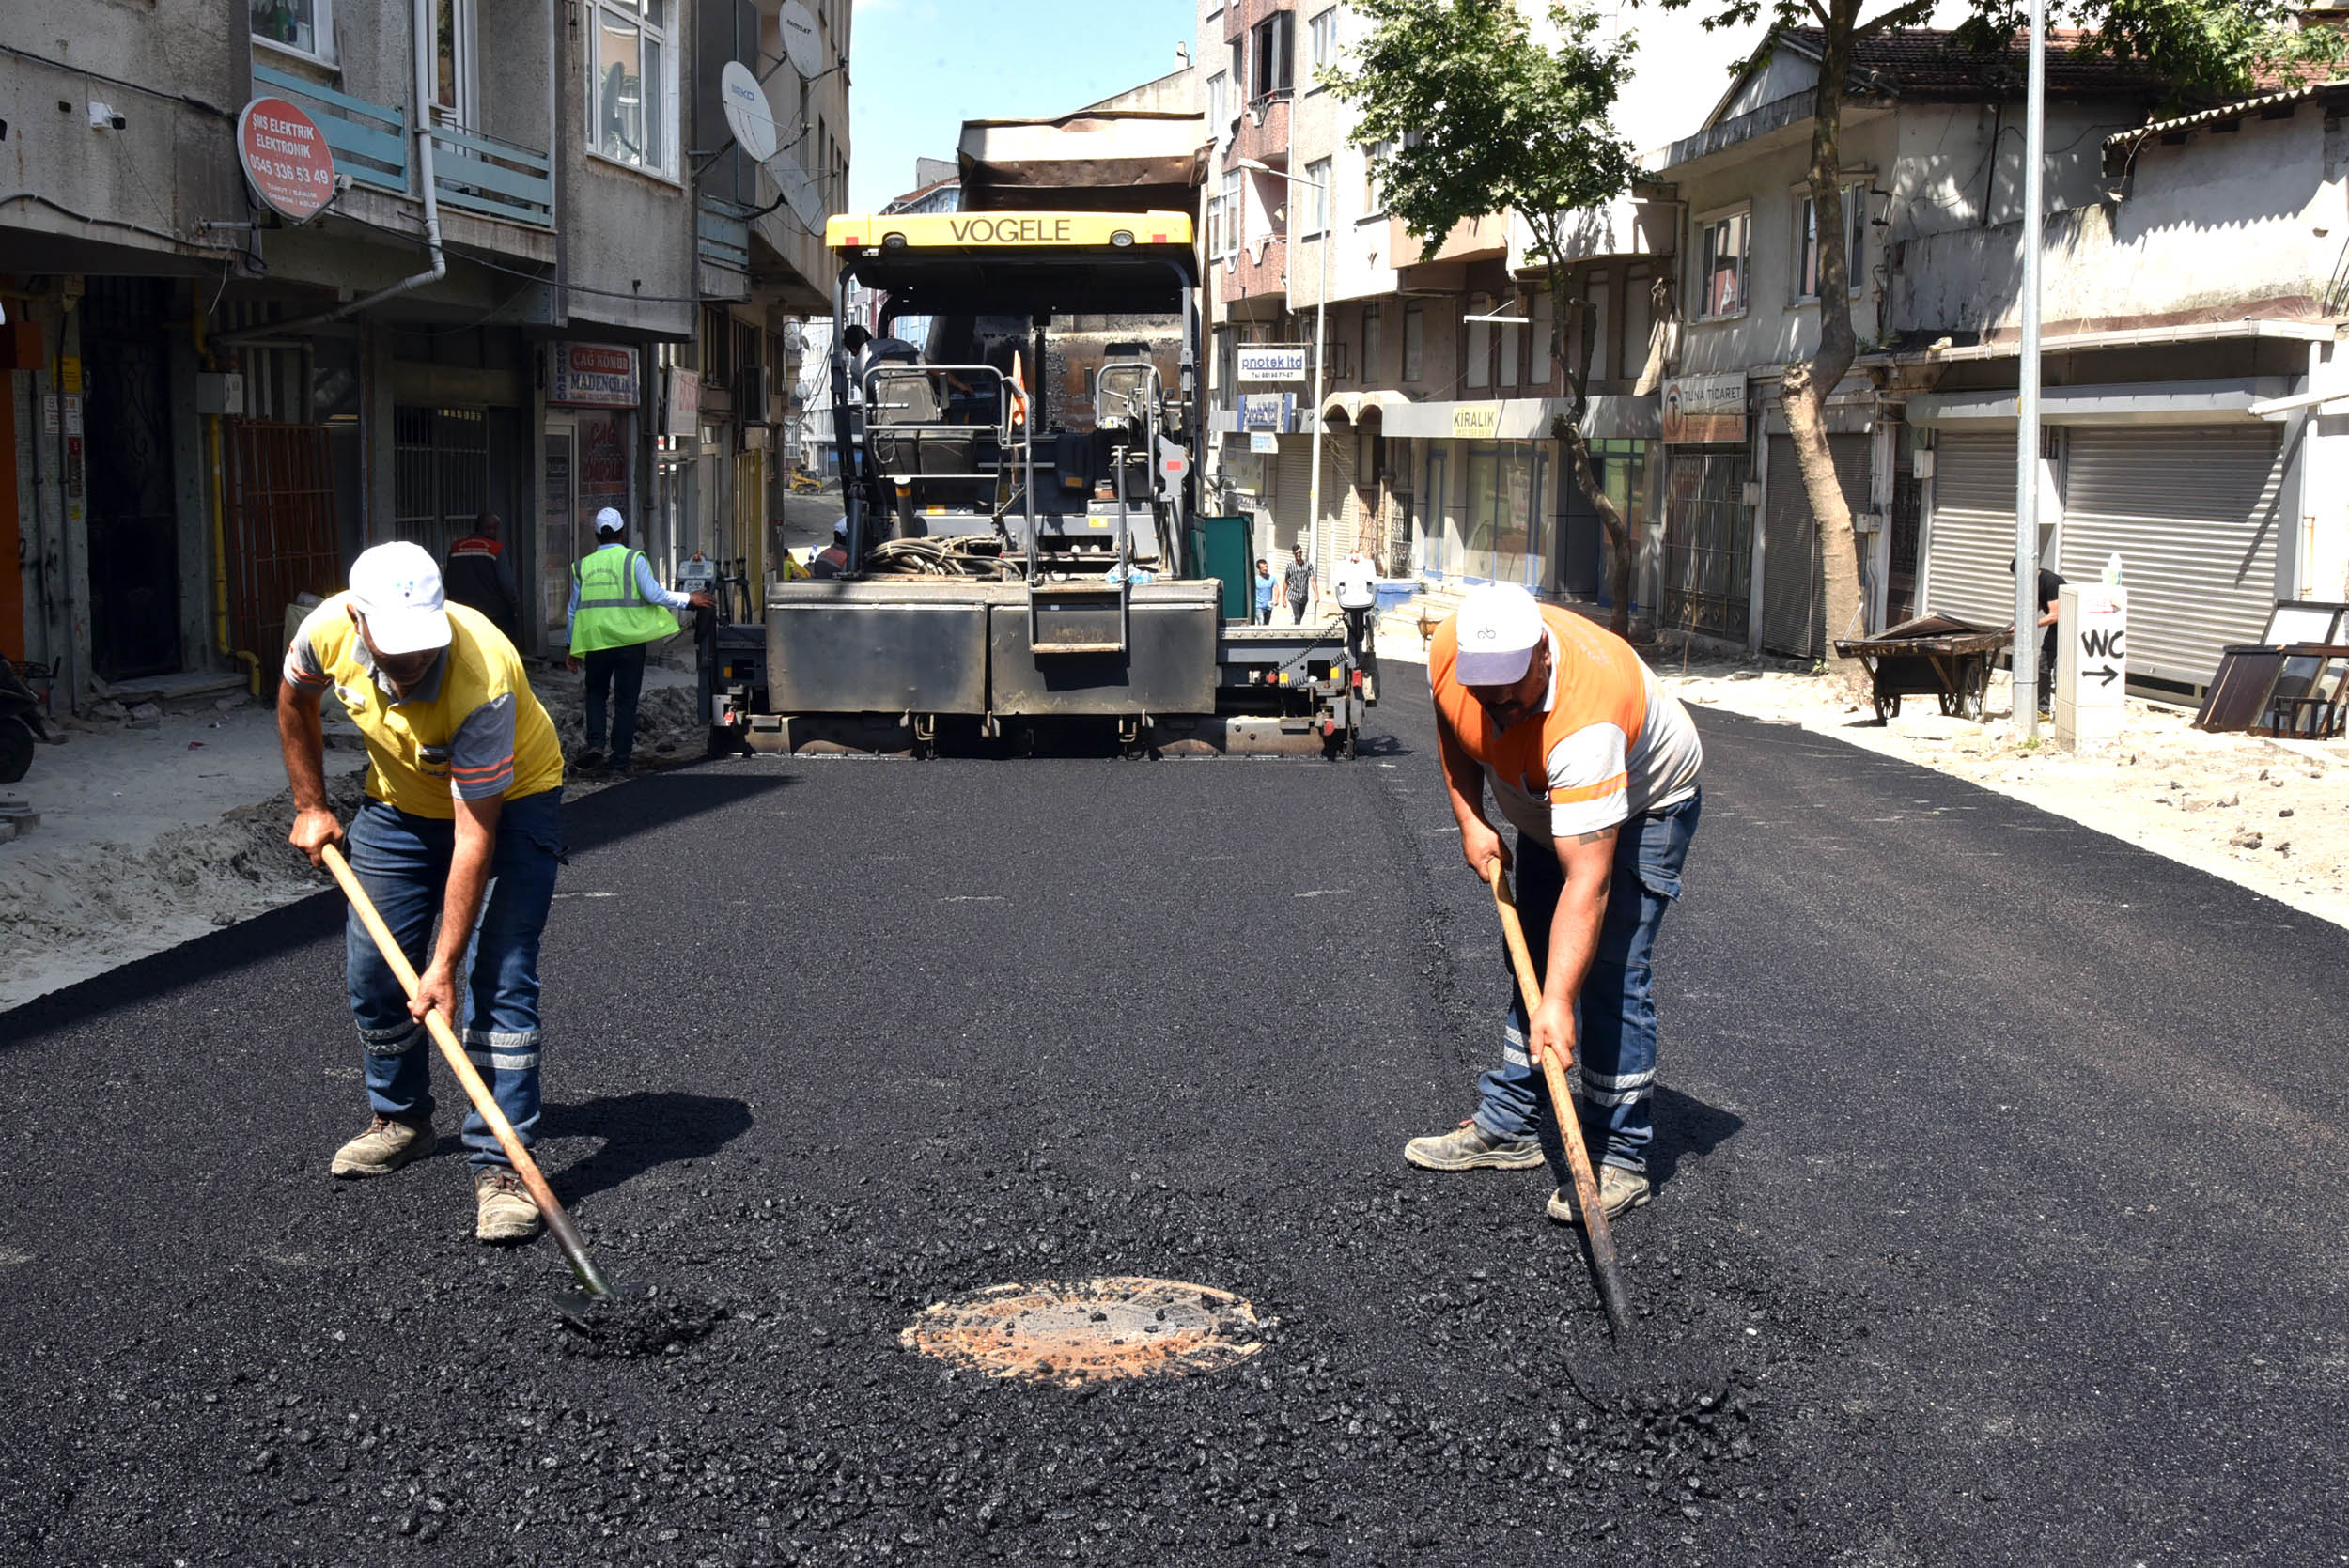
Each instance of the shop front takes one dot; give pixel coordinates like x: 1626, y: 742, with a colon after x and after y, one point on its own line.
x: 1705, y: 570
x: 593, y: 393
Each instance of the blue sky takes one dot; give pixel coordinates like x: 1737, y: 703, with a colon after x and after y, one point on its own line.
x: 919, y: 67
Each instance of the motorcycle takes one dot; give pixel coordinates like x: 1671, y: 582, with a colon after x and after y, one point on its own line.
x: 22, y: 726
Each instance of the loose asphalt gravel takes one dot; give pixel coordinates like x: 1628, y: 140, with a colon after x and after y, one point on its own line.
x: 1998, y: 1213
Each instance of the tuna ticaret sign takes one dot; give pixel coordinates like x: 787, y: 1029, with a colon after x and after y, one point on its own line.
x: 286, y: 158
x: 591, y: 376
x: 1701, y: 409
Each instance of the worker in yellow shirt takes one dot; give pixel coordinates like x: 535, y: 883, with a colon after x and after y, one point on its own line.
x: 463, y: 822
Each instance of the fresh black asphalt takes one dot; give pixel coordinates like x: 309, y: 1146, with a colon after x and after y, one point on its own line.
x: 1998, y: 1219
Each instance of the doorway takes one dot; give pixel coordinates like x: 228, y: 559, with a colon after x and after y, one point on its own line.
x: 133, y: 520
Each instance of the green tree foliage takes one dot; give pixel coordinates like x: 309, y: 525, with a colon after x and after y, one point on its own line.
x: 1483, y: 117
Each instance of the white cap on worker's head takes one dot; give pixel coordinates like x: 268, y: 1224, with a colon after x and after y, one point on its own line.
x: 610, y: 522
x: 1499, y: 624
x: 396, y: 590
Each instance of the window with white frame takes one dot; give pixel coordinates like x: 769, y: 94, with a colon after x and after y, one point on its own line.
x: 1371, y: 345
x: 304, y: 27
x: 1480, y: 344
x: 1317, y: 196
x: 1219, y: 105
x: 1374, y: 197
x: 1807, y: 240
x: 1543, y: 310
x: 631, y: 110
x: 1323, y: 32
x: 1414, y: 342
x: 1235, y: 215
x: 1215, y: 226
x: 1510, y: 344
x: 1722, y: 241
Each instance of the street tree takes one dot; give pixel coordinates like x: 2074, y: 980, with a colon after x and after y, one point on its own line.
x: 1481, y: 117
x: 2204, y: 49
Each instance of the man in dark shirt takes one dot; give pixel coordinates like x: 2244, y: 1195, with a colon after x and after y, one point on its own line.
x: 480, y: 575
x: 2050, y: 591
x: 1299, y: 584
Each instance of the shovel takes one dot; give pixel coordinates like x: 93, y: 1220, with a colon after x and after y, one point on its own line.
x: 592, y: 1283
x: 1596, y: 1237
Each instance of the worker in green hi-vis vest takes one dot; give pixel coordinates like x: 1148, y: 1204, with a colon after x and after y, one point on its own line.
x: 619, y: 607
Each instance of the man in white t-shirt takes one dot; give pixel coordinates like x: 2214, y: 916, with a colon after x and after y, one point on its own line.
x: 1595, y: 765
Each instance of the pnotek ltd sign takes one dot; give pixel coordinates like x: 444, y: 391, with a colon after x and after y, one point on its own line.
x: 1273, y: 365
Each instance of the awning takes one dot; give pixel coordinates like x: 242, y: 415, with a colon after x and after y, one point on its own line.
x: 2204, y: 402
x: 1609, y: 417
x: 1353, y: 404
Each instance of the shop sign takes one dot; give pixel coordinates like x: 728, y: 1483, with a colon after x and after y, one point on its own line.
x: 286, y: 158
x: 1701, y: 409
x: 1272, y: 365
x: 1263, y: 440
x: 685, y: 403
x: 1476, y: 421
x: 591, y: 376
x: 1268, y: 411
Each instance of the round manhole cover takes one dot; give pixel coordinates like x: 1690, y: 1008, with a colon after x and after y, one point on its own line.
x: 1071, y: 1332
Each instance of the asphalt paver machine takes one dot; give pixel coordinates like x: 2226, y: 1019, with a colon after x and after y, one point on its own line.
x: 1019, y: 446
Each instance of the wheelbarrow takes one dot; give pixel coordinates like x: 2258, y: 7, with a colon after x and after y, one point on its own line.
x: 1932, y: 655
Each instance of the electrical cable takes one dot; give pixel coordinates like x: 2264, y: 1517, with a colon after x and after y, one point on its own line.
x: 35, y: 196
x: 117, y: 81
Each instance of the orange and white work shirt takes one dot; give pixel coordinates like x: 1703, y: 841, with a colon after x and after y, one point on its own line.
x: 1608, y: 744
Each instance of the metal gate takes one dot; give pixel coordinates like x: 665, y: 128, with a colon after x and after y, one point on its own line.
x: 2193, y: 513
x: 1709, y: 545
x: 1970, y: 536
x: 133, y: 522
x: 281, y: 532
x: 1793, y: 596
x: 440, y: 474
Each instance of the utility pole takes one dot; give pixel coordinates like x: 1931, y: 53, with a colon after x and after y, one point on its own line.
x: 2027, y: 606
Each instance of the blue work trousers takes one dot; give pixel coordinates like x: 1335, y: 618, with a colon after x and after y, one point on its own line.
x: 403, y: 861
x: 1615, y: 1013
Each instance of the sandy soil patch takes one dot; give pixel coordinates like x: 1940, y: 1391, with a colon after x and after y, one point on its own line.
x: 2269, y: 815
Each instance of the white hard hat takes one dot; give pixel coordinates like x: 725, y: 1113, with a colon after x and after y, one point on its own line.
x: 1500, y: 623
x: 610, y: 522
x: 396, y: 590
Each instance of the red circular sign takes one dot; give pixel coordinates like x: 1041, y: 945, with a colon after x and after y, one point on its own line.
x: 287, y: 158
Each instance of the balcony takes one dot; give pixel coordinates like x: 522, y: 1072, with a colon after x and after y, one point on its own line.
x: 369, y: 140
x: 497, y: 179
x: 1261, y: 268
x: 1263, y: 132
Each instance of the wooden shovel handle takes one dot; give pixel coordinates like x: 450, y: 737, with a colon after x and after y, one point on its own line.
x: 558, y: 1222
x: 1595, y: 1230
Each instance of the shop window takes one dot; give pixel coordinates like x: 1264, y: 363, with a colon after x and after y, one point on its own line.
x: 304, y: 27
x: 631, y: 109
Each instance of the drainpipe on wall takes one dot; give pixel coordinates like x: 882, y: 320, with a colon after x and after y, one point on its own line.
x: 422, y: 12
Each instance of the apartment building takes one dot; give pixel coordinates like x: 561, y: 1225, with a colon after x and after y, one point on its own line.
x: 287, y: 278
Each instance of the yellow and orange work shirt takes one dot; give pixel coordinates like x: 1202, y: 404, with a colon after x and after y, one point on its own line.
x: 1608, y: 744
x: 472, y: 729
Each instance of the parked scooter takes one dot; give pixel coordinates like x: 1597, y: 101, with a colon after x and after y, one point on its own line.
x: 22, y: 726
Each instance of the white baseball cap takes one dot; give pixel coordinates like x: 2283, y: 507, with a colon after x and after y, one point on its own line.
x: 1500, y: 623
x: 610, y: 522
x: 396, y: 590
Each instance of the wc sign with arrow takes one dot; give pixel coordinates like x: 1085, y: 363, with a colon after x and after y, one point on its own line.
x: 2092, y: 660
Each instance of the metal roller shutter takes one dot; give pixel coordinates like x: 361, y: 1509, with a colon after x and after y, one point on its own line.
x: 1970, y: 540
x: 1292, y: 488
x: 2194, y: 513
x: 1791, y: 580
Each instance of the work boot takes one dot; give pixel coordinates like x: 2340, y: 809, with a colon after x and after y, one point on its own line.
x: 384, y: 1148
x: 588, y: 760
x: 1618, y: 1190
x: 503, y: 1209
x: 1470, y: 1147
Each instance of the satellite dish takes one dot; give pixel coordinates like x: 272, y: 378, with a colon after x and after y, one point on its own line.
x: 798, y: 191
x: 801, y: 45
x: 747, y: 115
